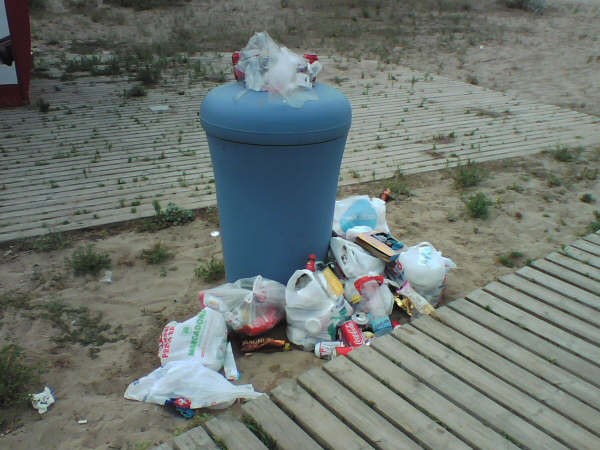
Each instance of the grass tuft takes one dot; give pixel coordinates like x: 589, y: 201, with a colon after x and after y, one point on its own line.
x: 85, y: 260
x: 468, y: 175
x: 564, y: 153
x: 79, y: 325
x: 511, y: 259
x: 595, y: 225
x: 213, y: 270
x: 398, y: 184
x: 17, y: 377
x: 536, y: 6
x: 478, y: 206
x: 157, y: 254
x: 259, y: 432
x: 50, y: 242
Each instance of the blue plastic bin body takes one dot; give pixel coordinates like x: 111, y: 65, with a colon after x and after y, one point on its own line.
x: 276, y: 171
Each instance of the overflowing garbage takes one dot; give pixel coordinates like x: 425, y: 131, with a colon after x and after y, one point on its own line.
x: 263, y: 65
x: 329, y: 307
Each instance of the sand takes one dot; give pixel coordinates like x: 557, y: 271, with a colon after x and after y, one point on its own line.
x: 537, y: 207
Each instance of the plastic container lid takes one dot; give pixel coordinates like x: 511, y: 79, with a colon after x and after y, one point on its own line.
x: 233, y: 113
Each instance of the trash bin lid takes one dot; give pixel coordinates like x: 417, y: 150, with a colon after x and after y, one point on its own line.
x: 234, y: 113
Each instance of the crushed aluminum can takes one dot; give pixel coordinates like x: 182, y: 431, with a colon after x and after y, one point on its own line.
x: 327, y: 349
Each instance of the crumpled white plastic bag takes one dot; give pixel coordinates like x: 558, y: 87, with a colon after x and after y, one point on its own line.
x: 269, y: 67
x: 189, y: 379
x: 203, y: 338
x: 426, y: 269
x: 359, y: 211
x: 353, y: 260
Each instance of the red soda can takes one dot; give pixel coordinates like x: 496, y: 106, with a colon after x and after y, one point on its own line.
x: 351, y: 334
x: 235, y: 58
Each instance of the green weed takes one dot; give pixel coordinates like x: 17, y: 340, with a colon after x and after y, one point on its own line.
x: 511, y: 259
x: 587, y: 198
x: 536, y: 6
x: 213, y: 270
x: 467, y: 175
x: 79, y: 325
x: 50, y: 242
x: 478, y: 206
x: 564, y: 153
x: 398, y: 184
x: 157, y: 254
x: 85, y: 260
x: 595, y: 225
x: 137, y: 90
x: 259, y: 432
x: 14, y: 300
x: 17, y: 377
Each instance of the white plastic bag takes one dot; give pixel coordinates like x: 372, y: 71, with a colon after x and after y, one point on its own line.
x: 353, y: 260
x: 251, y: 306
x: 269, y: 67
x: 204, y: 387
x: 202, y: 338
x: 359, y: 211
x: 309, y: 308
x: 425, y: 268
x: 377, y: 299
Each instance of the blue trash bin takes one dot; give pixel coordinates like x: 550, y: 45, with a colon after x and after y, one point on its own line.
x: 276, y: 172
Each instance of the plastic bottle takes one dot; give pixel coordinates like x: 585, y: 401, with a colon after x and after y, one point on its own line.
x: 311, y: 264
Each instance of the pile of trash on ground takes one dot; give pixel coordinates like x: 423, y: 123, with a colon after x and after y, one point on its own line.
x: 330, y: 307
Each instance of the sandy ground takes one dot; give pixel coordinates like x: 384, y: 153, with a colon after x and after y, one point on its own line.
x: 537, y: 207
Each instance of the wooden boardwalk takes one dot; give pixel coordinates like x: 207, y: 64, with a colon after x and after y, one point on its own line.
x: 97, y: 157
x: 515, y: 364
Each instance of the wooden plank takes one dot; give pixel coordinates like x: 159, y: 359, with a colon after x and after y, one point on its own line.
x: 541, y: 347
x: 540, y: 309
x: 575, y: 265
x: 194, y: 439
x: 551, y: 422
x: 458, y: 421
x: 540, y: 327
x: 316, y: 419
x: 569, y: 275
x: 163, y: 446
x: 582, y: 256
x: 233, y: 434
x: 284, y: 431
x: 553, y: 298
x: 593, y: 238
x: 560, y: 286
x: 526, y: 381
x: 375, y: 429
x: 586, y: 246
x: 527, y: 360
x: 504, y: 421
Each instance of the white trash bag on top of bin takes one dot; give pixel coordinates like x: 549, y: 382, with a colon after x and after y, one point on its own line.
x: 269, y: 67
